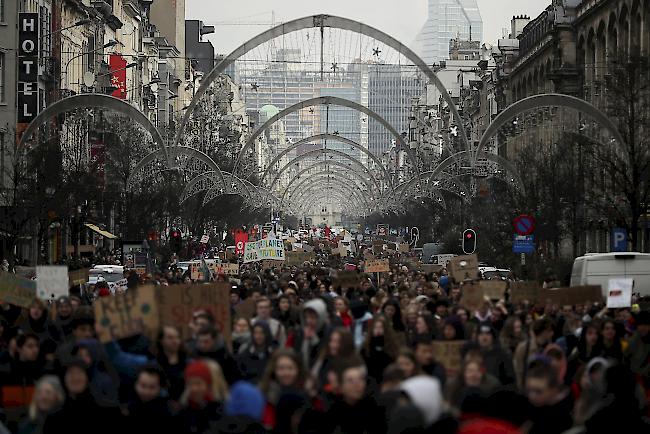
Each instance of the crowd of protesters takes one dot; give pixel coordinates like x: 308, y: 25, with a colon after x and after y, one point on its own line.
x: 318, y: 357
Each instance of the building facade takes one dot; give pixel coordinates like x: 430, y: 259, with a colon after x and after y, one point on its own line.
x: 447, y: 20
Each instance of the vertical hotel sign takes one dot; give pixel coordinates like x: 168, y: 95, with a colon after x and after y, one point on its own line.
x: 27, y: 67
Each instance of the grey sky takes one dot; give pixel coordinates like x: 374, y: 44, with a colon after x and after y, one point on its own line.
x: 399, y: 18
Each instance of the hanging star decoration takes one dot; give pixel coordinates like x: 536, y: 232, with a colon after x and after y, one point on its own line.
x: 376, y: 52
x: 255, y: 86
x: 334, y: 66
x: 453, y: 130
x: 336, y: 132
x: 311, y: 110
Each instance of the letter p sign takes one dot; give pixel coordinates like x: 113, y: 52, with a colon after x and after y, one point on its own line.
x: 619, y: 240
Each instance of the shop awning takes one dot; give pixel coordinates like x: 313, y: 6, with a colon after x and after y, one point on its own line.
x: 100, y: 231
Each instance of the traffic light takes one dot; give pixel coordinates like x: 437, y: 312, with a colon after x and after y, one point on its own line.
x: 469, y: 241
x: 175, y: 240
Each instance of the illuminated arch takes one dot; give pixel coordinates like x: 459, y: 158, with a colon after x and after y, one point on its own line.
x: 95, y: 100
x: 321, y: 152
x: 320, y: 163
x: 322, y: 21
x: 545, y: 100
x: 352, y: 176
x: 320, y: 175
x: 332, y: 137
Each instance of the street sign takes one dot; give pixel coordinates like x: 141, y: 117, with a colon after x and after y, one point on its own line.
x: 523, y: 244
x: 382, y: 230
x: 619, y: 240
x: 524, y: 224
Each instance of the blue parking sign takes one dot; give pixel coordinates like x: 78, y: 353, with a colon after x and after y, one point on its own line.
x: 619, y: 240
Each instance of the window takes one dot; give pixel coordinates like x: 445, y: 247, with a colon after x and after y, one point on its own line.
x: 2, y: 11
x: 2, y: 76
x: 45, y: 37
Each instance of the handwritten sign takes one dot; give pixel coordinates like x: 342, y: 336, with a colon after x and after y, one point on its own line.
x: 16, y: 290
x: 127, y: 314
x: 463, y: 268
x: 267, y: 249
x: 348, y: 279
x: 377, y: 266
x: 226, y: 269
x: 493, y: 289
x: 471, y: 296
x: 448, y: 353
x: 524, y: 291
x: 78, y: 277
x: 296, y: 259
x: 619, y: 293
x: 430, y: 268
x: 177, y: 304
x: 572, y: 295
x: 52, y: 282
x: 404, y: 248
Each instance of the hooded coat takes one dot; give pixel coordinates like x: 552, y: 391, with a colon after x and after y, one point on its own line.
x: 309, y: 348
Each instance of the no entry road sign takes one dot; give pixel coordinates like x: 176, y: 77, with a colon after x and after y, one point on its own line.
x: 524, y: 224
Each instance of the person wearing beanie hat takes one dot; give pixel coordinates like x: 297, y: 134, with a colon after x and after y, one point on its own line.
x: 243, y: 411
x: 201, y: 408
x: 64, y: 315
x: 497, y: 362
x: 425, y: 394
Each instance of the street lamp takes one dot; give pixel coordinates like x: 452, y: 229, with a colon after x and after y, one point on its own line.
x: 109, y: 44
x: 76, y: 24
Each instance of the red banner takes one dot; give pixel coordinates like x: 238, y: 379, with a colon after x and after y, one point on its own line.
x: 117, y: 65
x: 241, y: 238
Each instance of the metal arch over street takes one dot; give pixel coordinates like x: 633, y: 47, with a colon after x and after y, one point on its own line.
x: 328, y: 100
x: 322, y: 21
x: 301, y: 208
x: 321, y: 152
x: 351, y: 176
x: 318, y: 164
x: 171, y: 152
x: 95, y: 100
x: 546, y: 100
x: 319, y: 175
x: 516, y: 178
x: 335, y: 186
x: 319, y: 180
x: 231, y: 181
x: 332, y: 137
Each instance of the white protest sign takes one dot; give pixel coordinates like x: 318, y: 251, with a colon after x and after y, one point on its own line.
x: 619, y: 292
x: 52, y: 281
x: 267, y: 249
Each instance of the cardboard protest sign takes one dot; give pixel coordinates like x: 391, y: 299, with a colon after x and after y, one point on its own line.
x: 225, y: 268
x: 16, y: 290
x: 296, y: 259
x: 197, y: 271
x: 448, y: 354
x: 52, y: 281
x: 493, y: 289
x: 377, y: 266
x: 524, y: 291
x: 463, y: 268
x: 348, y: 279
x: 572, y: 295
x: 471, y: 296
x: 404, y: 248
x: 78, y: 277
x: 430, y: 268
x: 619, y: 292
x: 443, y: 259
x: 177, y: 303
x: 377, y: 249
x: 127, y: 314
x: 246, y: 309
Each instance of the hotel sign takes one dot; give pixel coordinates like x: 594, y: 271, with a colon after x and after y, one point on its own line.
x: 27, y: 66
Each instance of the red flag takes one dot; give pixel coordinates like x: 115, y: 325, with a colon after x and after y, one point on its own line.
x: 241, y: 238
x: 117, y: 65
x: 328, y: 232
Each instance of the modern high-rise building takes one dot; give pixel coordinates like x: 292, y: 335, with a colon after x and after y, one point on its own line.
x: 448, y: 19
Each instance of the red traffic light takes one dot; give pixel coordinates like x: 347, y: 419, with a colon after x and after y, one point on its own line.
x: 176, y: 234
x: 468, y: 235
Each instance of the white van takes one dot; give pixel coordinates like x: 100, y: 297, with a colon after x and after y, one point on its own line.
x: 598, y: 268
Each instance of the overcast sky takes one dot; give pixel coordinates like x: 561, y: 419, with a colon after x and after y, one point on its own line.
x: 401, y: 19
